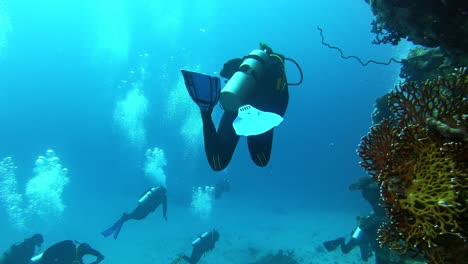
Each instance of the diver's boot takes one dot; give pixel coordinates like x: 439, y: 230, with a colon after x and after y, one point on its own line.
x: 333, y: 244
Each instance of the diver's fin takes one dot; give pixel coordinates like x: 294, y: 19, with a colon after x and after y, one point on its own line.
x: 203, y: 89
x: 333, y: 244
x: 109, y: 231
x: 114, y: 229
x: 180, y: 258
x: 118, y: 227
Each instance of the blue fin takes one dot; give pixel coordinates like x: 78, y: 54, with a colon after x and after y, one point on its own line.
x: 115, y: 229
x: 204, y: 89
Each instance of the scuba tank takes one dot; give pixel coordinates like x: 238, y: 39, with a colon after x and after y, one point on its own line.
x: 244, y: 81
x: 36, y: 258
x: 147, y: 194
x: 358, y: 233
x: 198, y: 239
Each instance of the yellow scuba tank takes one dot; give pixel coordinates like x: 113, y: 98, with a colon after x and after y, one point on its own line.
x: 244, y: 81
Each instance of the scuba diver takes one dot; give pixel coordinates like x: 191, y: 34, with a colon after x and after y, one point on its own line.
x: 67, y: 252
x: 364, y: 236
x: 201, y: 245
x: 370, y: 191
x: 254, y: 101
x: 221, y: 187
x: 148, y: 202
x: 21, y: 253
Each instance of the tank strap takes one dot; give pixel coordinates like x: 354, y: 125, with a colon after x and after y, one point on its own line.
x: 255, y: 57
x: 248, y: 70
x: 77, y: 258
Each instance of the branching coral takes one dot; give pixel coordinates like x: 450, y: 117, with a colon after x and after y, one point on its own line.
x: 420, y: 161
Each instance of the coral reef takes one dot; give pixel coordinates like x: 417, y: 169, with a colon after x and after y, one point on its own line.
x: 430, y: 23
x: 440, y: 27
x: 420, y: 160
x: 424, y: 64
x: 280, y: 257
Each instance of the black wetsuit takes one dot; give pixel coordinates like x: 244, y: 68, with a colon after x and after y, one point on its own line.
x: 68, y: 252
x: 20, y: 253
x: 206, y: 243
x: 149, y: 205
x: 271, y: 95
x: 156, y: 196
x: 366, y: 240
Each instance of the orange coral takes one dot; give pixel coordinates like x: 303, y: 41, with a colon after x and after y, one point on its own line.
x: 420, y: 161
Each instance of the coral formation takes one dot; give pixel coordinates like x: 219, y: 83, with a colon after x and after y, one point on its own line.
x: 420, y: 160
x: 430, y: 23
x: 440, y: 27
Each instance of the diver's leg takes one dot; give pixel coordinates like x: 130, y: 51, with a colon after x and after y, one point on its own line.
x: 260, y: 147
x: 140, y: 212
x: 196, y: 256
x: 186, y: 258
x: 365, y: 251
x: 219, y: 145
x: 352, y: 243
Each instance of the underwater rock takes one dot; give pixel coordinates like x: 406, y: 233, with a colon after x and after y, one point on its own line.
x: 424, y: 64
x: 430, y: 23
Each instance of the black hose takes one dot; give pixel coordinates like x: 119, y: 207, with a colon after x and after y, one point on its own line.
x: 354, y: 57
x: 300, y: 71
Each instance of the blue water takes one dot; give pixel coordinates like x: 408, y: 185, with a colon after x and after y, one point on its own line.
x: 61, y: 70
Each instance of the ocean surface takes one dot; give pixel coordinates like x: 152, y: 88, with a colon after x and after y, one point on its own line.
x: 98, y: 83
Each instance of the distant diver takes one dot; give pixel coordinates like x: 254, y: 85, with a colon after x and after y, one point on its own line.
x: 148, y: 202
x: 364, y: 236
x: 200, y: 246
x: 67, y: 252
x: 254, y: 100
x: 221, y: 187
x: 22, y: 252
